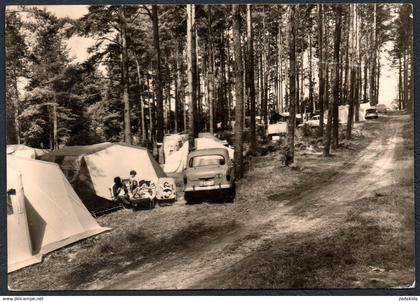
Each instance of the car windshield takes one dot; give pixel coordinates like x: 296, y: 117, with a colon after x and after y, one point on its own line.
x: 371, y: 111
x: 207, y: 160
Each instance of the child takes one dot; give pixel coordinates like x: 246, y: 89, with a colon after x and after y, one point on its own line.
x: 132, y: 181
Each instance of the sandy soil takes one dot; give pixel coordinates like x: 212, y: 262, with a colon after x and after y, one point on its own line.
x: 322, y: 205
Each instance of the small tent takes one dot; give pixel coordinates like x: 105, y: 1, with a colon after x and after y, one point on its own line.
x: 24, y: 151
x: 172, y: 143
x: 91, y: 169
x: 55, y: 216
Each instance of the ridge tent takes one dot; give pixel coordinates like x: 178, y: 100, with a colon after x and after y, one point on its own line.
x: 24, y: 151
x: 56, y: 217
x: 91, y: 169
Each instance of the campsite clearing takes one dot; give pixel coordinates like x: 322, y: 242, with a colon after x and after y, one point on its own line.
x: 317, y: 224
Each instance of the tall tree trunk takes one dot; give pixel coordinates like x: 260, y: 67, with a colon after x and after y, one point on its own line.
x: 358, y: 67
x: 191, y: 73
x: 410, y: 79
x: 400, y: 98
x: 297, y: 72
x: 260, y: 81
x: 378, y: 74
x: 197, y: 84
x: 168, y: 102
x: 406, y: 104
x: 244, y: 85
x: 251, y: 82
x: 365, y: 79
x: 292, y: 86
x: 264, y: 100
x: 280, y: 71
x: 226, y: 81
x: 311, y: 83
x: 158, y: 85
x: 301, y: 95
x: 150, y: 102
x: 327, y: 97
x: 124, y: 56
x: 177, y: 87
x: 184, y: 105
x: 336, y: 88
x: 55, y: 124
x: 345, y: 90
x: 373, y: 60
x: 352, y: 51
x: 16, y: 111
x: 211, y: 68
x: 141, y: 104
x: 238, y: 89
x: 321, y: 68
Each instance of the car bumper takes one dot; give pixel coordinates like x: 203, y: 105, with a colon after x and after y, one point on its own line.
x: 207, y: 188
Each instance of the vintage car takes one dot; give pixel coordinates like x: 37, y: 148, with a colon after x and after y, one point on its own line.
x: 371, y: 113
x: 209, y: 173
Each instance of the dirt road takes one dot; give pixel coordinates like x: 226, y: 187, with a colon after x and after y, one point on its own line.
x: 317, y: 209
x: 340, y: 222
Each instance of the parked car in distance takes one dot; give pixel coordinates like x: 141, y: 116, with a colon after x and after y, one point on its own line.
x: 209, y: 172
x: 381, y: 108
x: 371, y: 113
x: 313, y: 122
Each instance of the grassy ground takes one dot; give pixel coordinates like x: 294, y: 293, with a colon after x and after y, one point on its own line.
x: 297, y: 259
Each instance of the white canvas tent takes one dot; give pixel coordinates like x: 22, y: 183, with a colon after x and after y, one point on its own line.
x: 172, y: 143
x: 56, y: 217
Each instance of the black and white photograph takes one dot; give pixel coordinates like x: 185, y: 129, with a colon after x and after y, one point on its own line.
x: 155, y: 147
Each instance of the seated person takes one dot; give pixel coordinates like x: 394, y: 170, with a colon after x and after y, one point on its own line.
x: 133, y: 183
x: 119, y: 191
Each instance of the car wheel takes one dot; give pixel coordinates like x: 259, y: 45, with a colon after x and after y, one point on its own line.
x: 231, y: 193
x: 189, y: 198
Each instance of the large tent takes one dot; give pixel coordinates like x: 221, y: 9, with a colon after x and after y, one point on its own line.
x: 44, y: 212
x: 91, y: 169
